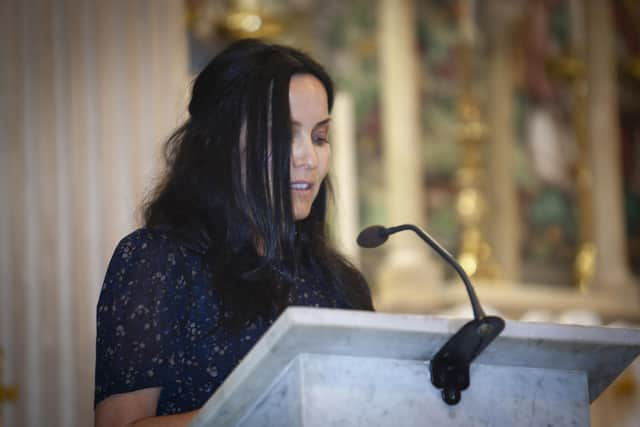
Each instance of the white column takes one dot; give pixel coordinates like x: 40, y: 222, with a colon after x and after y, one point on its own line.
x: 612, y: 271
x: 407, y: 264
x: 503, y: 211
x: 345, y: 176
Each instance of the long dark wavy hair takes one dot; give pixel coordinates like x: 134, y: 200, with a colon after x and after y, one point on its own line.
x: 234, y: 199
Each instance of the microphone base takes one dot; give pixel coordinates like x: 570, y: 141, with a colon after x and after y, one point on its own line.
x: 450, y: 366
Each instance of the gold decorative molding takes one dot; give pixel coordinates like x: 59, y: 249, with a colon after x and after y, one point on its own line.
x: 571, y: 69
x: 475, y: 254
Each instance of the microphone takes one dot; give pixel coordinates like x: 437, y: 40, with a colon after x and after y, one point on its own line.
x: 450, y: 365
x: 372, y: 237
x: 376, y: 235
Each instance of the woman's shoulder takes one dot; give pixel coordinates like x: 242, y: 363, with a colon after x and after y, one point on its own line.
x: 154, y: 240
x: 148, y: 255
x: 145, y: 239
x: 150, y: 265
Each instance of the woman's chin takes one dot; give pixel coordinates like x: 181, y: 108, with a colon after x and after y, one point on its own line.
x: 300, y: 214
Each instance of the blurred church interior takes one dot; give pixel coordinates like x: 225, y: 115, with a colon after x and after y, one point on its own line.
x: 509, y: 130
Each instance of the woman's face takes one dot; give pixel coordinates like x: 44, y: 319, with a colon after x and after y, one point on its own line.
x: 310, y: 150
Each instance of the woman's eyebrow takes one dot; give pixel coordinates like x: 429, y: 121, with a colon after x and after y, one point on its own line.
x: 321, y: 123
x: 325, y: 122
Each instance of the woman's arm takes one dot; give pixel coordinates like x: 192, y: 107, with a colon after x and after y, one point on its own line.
x: 139, y: 315
x: 137, y: 409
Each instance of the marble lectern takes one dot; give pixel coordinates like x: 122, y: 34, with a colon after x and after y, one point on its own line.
x: 323, y: 367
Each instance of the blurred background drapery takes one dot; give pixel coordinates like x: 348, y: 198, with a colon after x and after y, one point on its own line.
x: 510, y: 130
x: 89, y: 90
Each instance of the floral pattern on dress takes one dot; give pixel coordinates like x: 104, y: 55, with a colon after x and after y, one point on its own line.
x: 157, y: 319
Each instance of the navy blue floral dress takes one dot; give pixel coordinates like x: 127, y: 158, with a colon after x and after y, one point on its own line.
x: 156, y: 323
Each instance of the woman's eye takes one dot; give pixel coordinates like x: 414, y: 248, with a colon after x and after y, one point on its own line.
x: 321, y: 140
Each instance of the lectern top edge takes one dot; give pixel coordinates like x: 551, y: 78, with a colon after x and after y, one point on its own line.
x: 439, y: 324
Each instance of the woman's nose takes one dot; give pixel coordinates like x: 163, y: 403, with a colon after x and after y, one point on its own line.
x: 303, y: 153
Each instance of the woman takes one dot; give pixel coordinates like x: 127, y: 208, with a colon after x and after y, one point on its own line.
x: 233, y: 234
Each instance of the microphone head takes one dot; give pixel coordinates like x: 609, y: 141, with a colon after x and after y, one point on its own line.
x: 372, y: 237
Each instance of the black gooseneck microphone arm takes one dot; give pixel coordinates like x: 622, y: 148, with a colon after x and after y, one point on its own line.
x: 450, y: 365
x: 478, y: 312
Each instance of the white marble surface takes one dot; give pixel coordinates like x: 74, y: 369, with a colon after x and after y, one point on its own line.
x: 595, y: 354
x: 347, y: 391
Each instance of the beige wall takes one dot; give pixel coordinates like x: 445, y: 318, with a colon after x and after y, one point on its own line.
x: 88, y: 89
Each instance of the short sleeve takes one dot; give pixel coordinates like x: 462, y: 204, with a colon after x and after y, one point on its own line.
x: 138, y: 318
